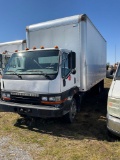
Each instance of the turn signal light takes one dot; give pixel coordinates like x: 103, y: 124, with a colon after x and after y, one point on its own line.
x: 53, y: 103
x: 34, y: 47
x: 42, y: 47
x: 6, y: 98
x: 110, y: 104
x: 56, y: 47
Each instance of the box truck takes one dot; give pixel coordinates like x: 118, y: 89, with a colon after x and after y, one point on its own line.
x: 113, y: 104
x: 6, y: 50
x: 65, y: 59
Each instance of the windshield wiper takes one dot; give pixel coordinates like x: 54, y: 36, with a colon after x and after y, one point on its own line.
x: 16, y: 74
x: 37, y: 63
x: 45, y: 74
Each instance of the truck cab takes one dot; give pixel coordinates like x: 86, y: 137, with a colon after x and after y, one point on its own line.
x: 6, y: 50
x: 42, y: 83
x: 113, y: 105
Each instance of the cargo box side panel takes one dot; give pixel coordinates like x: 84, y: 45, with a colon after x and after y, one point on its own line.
x: 65, y: 37
x: 95, y: 56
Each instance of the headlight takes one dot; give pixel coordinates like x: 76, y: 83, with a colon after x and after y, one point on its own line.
x: 113, y: 106
x: 54, y: 99
x: 44, y: 99
x: 51, y: 99
x: 3, y: 95
x: 6, y: 95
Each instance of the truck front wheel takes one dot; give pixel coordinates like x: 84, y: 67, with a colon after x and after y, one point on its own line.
x: 69, y: 117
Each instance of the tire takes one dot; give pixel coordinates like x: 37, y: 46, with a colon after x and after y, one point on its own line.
x: 78, y: 99
x: 69, y: 117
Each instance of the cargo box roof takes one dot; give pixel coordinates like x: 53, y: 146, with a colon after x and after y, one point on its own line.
x: 55, y: 23
x: 13, y: 42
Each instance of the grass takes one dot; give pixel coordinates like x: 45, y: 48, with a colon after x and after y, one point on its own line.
x: 85, y: 139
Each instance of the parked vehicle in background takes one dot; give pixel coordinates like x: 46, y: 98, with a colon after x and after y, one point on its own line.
x: 113, y: 104
x: 110, y: 71
x: 7, y: 49
x: 51, y: 80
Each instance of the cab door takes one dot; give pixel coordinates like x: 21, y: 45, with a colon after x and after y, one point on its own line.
x: 68, y: 71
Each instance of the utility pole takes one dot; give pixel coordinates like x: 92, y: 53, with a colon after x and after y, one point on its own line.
x: 115, y: 53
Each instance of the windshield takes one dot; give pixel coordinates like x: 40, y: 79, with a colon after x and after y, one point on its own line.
x: 33, y: 62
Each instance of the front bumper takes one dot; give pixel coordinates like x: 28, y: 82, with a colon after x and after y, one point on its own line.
x: 113, y: 124
x: 33, y: 110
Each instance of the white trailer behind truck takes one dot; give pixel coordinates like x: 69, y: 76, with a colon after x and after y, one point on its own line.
x: 7, y: 48
x: 49, y: 81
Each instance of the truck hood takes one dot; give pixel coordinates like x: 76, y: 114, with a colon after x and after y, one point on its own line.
x: 115, y: 89
x: 36, y: 86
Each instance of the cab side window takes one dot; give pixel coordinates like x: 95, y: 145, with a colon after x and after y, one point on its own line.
x: 65, y: 68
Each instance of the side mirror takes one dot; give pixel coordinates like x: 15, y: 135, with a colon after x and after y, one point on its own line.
x: 72, y: 60
x: 73, y: 71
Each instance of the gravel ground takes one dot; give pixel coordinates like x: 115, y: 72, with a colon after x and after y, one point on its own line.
x: 10, y: 152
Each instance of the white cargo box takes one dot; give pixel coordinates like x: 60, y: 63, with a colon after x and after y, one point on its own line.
x: 76, y: 33
x: 10, y: 47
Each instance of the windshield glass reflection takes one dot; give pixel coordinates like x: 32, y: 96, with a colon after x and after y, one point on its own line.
x: 33, y: 62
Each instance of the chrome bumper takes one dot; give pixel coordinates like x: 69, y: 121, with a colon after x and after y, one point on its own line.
x: 32, y: 110
x: 113, y: 124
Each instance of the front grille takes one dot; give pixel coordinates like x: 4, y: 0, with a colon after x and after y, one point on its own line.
x: 25, y: 99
